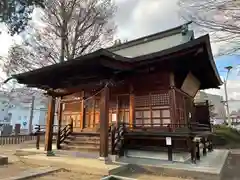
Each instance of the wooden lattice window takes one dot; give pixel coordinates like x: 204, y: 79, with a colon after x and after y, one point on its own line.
x: 74, y: 106
x: 142, y: 101
x: 159, y: 99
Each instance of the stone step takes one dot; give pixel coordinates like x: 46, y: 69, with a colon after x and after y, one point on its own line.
x: 83, y: 142
x: 89, y: 148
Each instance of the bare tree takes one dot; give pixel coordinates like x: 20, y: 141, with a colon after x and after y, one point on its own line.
x: 16, y: 13
x: 70, y: 28
x: 222, y: 17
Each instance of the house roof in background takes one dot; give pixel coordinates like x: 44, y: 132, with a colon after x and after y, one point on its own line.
x: 152, y: 37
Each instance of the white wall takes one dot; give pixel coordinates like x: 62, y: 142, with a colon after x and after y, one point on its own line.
x: 22, y: 114
x: 153, y: 46
x: 4, y: 108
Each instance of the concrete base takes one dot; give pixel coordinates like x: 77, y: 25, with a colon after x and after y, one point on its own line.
x: 208, y: 168
x: 104, y: 159
x: 50, y: 153
x: 3, y: 160
x: 117, y: 178
x: 113, y: 158
x: 177, y: 157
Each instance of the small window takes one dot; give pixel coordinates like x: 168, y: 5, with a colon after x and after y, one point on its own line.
x: 2, y: 109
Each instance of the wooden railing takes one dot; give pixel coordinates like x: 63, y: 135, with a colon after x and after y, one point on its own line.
x: 160, y: 127
x: 64, y: 133
x: 124, y: 132
x: 117, y: 137
x: 15, y: 139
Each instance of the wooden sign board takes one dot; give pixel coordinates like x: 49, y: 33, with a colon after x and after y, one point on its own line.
x: 168, y: 141
x: 114, y: 117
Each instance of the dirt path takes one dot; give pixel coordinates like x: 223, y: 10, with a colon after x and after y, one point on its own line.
x: 80, y: 176
x: 63, y: 175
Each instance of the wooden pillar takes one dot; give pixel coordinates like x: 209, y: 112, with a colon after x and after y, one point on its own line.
x: 173, y: 104
x: 131, y: 108
x: 193, y: 150
x: 104, y: 123
x: 204, y: 146
x: 117, y: 110
x: 197, y: 151
x: 173, y: 107
x: 82, y: 111
x: 60, y: 111
x: 49, y: 123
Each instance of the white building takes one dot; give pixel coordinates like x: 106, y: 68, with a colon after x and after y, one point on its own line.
x: 15, y: 108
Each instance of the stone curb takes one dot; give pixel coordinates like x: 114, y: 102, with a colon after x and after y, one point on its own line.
x: 34, y: 173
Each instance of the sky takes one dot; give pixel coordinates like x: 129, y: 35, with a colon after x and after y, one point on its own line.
x: 136, y: 18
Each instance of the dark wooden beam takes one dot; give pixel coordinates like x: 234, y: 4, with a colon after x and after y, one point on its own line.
x: 104, y: 123
x: 173, y: 106
x: 131, y: 107
x: 49, y: 123
x: 60, y: 111
x: 82, y: 112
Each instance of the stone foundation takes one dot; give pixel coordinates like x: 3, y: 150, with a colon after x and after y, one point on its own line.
x: 177, y: 157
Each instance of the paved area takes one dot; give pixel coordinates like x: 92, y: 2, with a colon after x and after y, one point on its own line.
x: 231, y: 170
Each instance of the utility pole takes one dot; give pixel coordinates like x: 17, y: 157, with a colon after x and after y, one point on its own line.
x: 226, y: 95
x: 31, y: 115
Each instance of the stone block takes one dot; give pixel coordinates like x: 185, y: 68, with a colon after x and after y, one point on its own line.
x: 3, y: 160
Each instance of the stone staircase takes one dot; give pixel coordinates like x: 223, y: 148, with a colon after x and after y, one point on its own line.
x: 83, y: 141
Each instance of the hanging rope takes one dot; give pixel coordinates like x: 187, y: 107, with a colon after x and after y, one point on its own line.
x: 98, y: 92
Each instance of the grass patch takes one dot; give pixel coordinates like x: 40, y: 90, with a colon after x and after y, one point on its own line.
x: 226, y: 136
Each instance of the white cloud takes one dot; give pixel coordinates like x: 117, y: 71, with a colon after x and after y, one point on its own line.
x: 233, y: 87
x: 136, y: 18
x: 6, y: 40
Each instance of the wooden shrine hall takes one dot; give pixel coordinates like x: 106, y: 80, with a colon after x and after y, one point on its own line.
x: 150, y: 95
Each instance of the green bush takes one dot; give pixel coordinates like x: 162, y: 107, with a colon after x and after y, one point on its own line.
x: 226, y: 135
